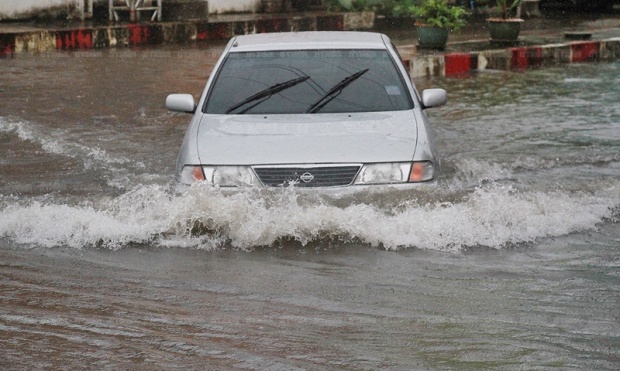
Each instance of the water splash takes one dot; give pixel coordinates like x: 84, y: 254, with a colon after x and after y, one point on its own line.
x: 55, y: 142
x: 492, y: 215
x: 121, y: 171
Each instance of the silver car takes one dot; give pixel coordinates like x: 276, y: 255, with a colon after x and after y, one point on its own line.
x: 308, y: 109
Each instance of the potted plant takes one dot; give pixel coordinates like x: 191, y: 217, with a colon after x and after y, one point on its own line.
x: 506, y: 28
x: 434, y: 19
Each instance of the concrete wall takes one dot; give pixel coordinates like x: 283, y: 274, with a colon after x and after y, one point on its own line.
x: 24, y: 9
x: 228, y: 6
x: 17, y: 9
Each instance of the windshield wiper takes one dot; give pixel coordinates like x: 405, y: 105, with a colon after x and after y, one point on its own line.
x: 334, y: 92
x: 266, y: 93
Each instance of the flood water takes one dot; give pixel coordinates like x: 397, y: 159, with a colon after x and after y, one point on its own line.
x: 510, y: 262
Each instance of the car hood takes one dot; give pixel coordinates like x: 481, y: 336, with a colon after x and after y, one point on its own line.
x: 306, y: 138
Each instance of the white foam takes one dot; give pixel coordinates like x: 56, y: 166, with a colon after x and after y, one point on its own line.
x: 471, y: 172
x: 493, y: 216
x: 581, y: 80
x: 472, y: 207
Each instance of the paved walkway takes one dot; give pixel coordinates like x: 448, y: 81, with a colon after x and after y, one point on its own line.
x: 542, y: 42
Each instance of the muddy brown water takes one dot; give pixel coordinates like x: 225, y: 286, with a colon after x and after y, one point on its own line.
x: 510, y: 262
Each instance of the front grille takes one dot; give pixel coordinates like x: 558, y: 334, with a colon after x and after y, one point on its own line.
x: 319, y: 176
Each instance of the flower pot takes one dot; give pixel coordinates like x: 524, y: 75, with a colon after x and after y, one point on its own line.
x: 431, y: 37
x: 504, y: 31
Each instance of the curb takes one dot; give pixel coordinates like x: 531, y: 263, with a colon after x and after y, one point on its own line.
x: 518, y: 58
x: 98, y: 37
x: 162, y: 33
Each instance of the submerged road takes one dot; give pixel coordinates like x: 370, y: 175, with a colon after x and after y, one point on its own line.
x: 510, y: 262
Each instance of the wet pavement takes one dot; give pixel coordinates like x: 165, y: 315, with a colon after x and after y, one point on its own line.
x: 550, y: 29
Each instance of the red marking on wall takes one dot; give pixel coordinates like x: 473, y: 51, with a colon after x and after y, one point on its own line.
x: 523, y: 58
x: 74, y: 39
x: 585, y: 51
x: 271, y: 25
x: 6, y: 50
x: 330, y: 23
x: 519, y: 58
x: 407, y: 64
x: 202, y: 35
x: 457, y: 64
x: 138, y: 35
x: 213, y: 31
x: 7, y: 44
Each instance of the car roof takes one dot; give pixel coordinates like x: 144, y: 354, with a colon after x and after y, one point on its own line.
x: 309, y: 40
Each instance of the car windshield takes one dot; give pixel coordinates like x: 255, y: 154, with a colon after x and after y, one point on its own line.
x: 308, y: 81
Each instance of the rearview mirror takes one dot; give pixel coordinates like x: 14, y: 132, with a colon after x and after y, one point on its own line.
x: 434, y: 98
x: 181, y: 103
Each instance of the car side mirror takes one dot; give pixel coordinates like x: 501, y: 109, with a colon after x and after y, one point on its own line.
x: 181, y: 103
x: 434, y: 98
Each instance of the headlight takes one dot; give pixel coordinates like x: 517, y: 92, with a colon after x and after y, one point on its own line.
x: 223, y: 176
x: 384, y: 173
x: 397, y: 172
x: 229, y: 176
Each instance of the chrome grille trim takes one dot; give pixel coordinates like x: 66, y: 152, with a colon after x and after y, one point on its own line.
x: 323, y: 175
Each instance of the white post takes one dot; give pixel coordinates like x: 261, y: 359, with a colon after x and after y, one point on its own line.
x: 80, y: 9
x: 132, y: 10
x: 85, y: 9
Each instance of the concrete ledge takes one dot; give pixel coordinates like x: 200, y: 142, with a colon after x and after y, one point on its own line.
x: 610, y: 49
x: 96, y: 37
x: 447, y: 64
x: 519, y: 58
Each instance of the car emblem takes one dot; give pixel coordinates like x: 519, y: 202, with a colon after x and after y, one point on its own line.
x: 306, y: 177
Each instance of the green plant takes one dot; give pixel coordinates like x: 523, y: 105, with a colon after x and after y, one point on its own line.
x: 353, y: 5
x: 507, y: 7
x: 403, y: 8
x: 436, y: 13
